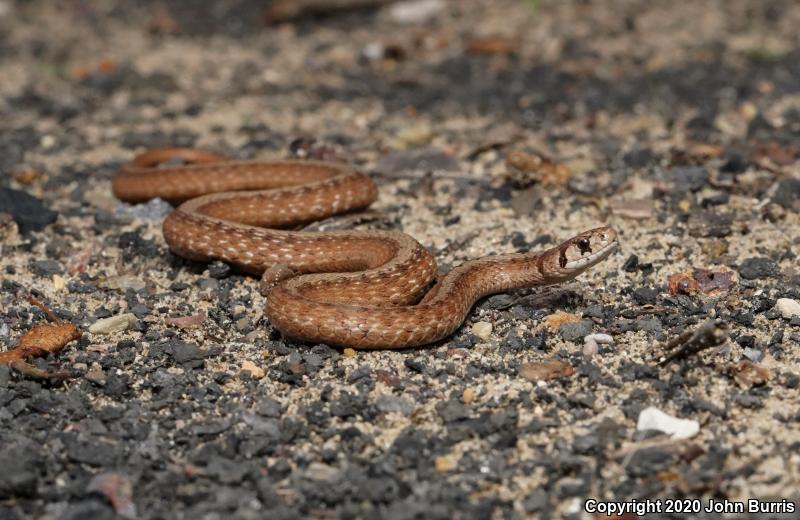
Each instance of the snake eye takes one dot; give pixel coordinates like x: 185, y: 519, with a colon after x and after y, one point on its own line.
x: 584, y: 245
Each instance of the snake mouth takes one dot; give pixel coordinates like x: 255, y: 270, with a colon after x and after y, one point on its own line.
x: 588, y: 248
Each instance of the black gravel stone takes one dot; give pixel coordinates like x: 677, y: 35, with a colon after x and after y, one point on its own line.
x: 28, y: 212
x: 499, y: 301
x: 702, y: 405
x: 227, y: 471
x: 452, y: 410
x: 639, y: 158
x: 269, y: 408
x: 734, y: 163
x: 5, y: 377
x: 710, y: 224
x: 22, y: 462
x: 749, y: 401
x: 536, y: 501
x: 788, y: 194
x: 716, y: 200
x: 790, y: 380
x: 140, y: 310
x: 46, y: 268
x: 575, y: 331
x: 94, y: 508
x: 585, y: 444
x: 135, y: 247
x: 187, y: 354
x: 689, y: 178
x: 758, y: 267
x: 93, y: 452
x: 650, y: 461
x: 219, y: 270
x: 646, y: 295
x: 415, y: 366
x: 631, y: 264
x: 117, y: 385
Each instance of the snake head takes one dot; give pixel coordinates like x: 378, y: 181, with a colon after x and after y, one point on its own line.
x: 586, y: 249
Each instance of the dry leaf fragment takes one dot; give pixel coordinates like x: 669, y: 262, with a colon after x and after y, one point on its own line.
x: 545, y: 370
x: 187, y: 322
x: 558, y: 318
x: 543, y: 169
x: 492, y: 45
x: 47, y: 338
x: 41, y: 340
x: 712, y: 282
x: 682, y: 283
x: 747, y: 374
x: 703, y: 280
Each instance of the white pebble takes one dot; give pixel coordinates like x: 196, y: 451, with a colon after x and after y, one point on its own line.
x: 113, y: 324
x: 591, y: 342
x: 482, y: 329
x: 651, y: 418
x: 415, y: 11
x: 787, y: 307
x: 602, y: 339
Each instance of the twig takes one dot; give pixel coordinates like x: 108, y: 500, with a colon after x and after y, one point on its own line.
x: 709, y: 334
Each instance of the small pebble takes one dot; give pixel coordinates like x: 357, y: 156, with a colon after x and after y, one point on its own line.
x: 787, y: 307
x: 153, y: 210
x: 415, y: 135
x: 219, y: 270
x: 96, y: 375
x: 242, y: 324
x: 591, y: 342
x: 415, y: 11
x: 652, y: 418
x: 46, y: 267
x: 113, y: 324
x: 320, y: 471
x: 482, y: 329
x: 444, y: 464
x: 124, y: 282
x: 349, y: 353
x: 631, y: 264
x: 468, y: 396
x: 256, y: 372
x: 753, y: 354
x: 58, y: 282
x: 758, y: 267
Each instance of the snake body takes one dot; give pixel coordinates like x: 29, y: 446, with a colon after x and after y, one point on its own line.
x: 361, y: 289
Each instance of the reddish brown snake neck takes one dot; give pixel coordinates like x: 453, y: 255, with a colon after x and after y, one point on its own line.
x: 361, y: 289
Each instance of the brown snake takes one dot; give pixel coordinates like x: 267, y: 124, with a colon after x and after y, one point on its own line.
x: 361, y: 289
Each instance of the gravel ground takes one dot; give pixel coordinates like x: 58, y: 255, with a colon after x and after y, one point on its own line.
x: 490, y: 126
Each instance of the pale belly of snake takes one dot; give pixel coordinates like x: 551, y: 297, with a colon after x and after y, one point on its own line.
x: 360, y: 289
